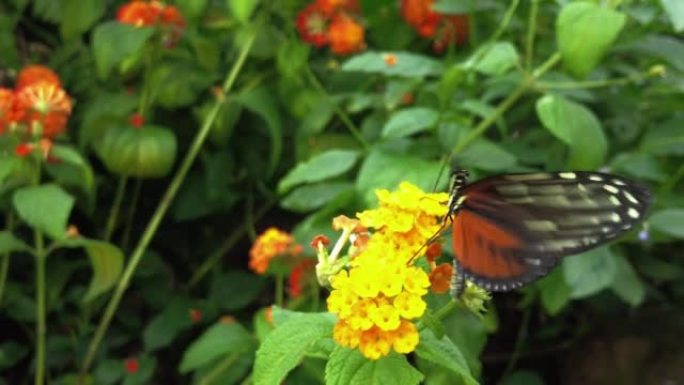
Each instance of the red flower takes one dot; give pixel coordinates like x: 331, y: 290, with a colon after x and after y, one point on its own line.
x: 131, y: 365
x: 312, y: 25
x: 440, y: 278
x: 44, y: 107
x: 270, y: 244
x: 34, y: 74
x: 329, y: 7
x: 433, y: 251
x: 154, y: 13
x: 195, y: 315
x: 138, y: 13
x: 7, y: 111
x: 345, y: 35
x: 136, y: 120
x: 23, y: 149
x: 297, y: 278
x: 445, y: 29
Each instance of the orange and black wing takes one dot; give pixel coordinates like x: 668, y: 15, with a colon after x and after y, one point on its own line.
x: 509, y: 230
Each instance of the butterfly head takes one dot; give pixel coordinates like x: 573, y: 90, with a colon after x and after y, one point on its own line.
x: 459, y: 178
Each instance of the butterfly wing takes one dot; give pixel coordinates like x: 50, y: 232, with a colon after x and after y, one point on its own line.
x: 512, y: 229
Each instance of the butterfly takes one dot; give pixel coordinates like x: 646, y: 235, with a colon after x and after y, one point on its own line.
x: 510, y: 230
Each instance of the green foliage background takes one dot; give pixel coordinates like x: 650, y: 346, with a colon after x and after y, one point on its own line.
x: 300, y: 136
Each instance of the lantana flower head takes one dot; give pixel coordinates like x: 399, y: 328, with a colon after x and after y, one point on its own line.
x: 36, y: 73
x: 380, y: 295
x: 443, y: 29
x: 154, y: 13
x: 44, y: 107
x: 270, y: 244
x: 334, y: 23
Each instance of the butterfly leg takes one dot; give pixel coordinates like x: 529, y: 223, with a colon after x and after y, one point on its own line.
x: 457, y: 280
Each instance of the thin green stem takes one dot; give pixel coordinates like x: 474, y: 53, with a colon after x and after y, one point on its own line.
x: 670, y: 183
x: 531, y: 31
x: 131, y: 214
x: 592, y: 83
x: 508, y: 16
x: 5, y: 261
x: 519, y: 340
x: 40, y: 308
x: 446, y: 309
x: 341, y: 114
x: 228, y: 244
x: 163, y: 206
x: 214, y: 374
x: 116, y: 207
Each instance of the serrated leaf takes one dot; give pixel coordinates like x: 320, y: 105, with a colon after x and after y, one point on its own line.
x: 409, y: 121
x: 217, y: 341
x: 45, y: 208
x: 669, y: 221
x: 310, y: 197
x: 113, y: 42
x: 627, y: 284
x: 9, y: 243
x: 590, y: 272
x: 322, y: 166
x: 584, y: 32
x: 350, y: 367
x: 444, y: 353
x: 286, y: 345
x: 405, y: 64
x: 577, y: 127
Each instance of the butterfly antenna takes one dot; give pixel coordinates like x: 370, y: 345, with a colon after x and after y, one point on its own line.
x: 445, y: 163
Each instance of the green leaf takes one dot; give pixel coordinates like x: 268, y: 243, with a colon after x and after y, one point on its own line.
x: 235, y: 289
x: 668, y: 48
x: 669, y: 221
x: 523, y: 377
x: 178, y: 83
x: 627, y: 284
x: 584, y: 32
x: 286, y: 345
x: 322, y: 166
x: 675, y: 10
x: 350, y: 367
x: 639, y: 165
x: 72, y: 170
x: 409, y: 121
x: 146, y: 368
x: 45, y: 208
x: 114, y: 42
x: 577, y: 127
x: 495, y: 59
x: 555, y: 293
x: 405, y: 64
x: 444, y: 353
x: 310, y: 197
x: 666, y: 138
x: 78, y: 16
x: 486, y: 155
x: 8, y: 47
x: 166, y: 326
x: 384, y: 170
x: 219, y: 340
x: 590, y: 272
x: 11, y: 353
x: 10, y: 244
x: 242, y: 9
x: 144, y: 152
x: 106, y: 260
x: 261, y: 102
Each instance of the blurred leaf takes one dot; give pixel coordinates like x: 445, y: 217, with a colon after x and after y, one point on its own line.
x: 108, y: 371
x: 665, y: 139
x: 627, y: 284
x: 113, y: 42
x: 669, y: 221
x: 146, y: 368
x: 9, y: 57
x: 235, y: 289
x: 322, y: 166
x: 285, y: 346
x: 310, y: 197
x: 590, y: 272
x: 675, y: 10
x: 642, y: 166
x: 11, y: 353
x: 469, y: 333
x: 242, y: 9
x: 104, y: 111
x: 409, y: 121
x: 144, y: 152
x: 166, y: 326
x: 219, y: 340
x: 578, y: 127
x: 48, y: 10
x: 667, y: 48
x: 555, y: 293
x: 178, y: 83
x: 486, y: 155
x: 350, y: 367
x: 405, y: 64
x: 659, y: 270
x: 523, y: 377
x: 457, y: 7
x: 444, y: 353
x: 78, y: 16
x: 584, y: 32
x: 106, y: 261
x: 72, y: 169
x: 292, y: 57
x: 45, y: 208
x: 495, y: 59
x: 10, y: 244
x: 384, y: 170
x: 261, y: 102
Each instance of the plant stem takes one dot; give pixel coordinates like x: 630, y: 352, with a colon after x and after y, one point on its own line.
x: 163, y: 206
x: 531, y: 30
x: 505, y: 21
x: 213, y: 375
x: 5, y: 261
x: 131, y: 214
x: 116, y: 207
x: 592, y: 83
x: 40, y: 308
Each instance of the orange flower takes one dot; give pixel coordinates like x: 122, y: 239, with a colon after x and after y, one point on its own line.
x: 23, y: 149
x: 440, y: 278
x: 44, y: 107
x: 7, y: 115
x: 34, y: 74
x: 138, y: 13
x: 433, y: 251
x: 297, y: 279
x: 455, y: 30
x: 270, y: 244
x: 312, y: 25
x: 346, y: 36
x: 390, y: 59
x: 445, y: 29
x: 331, y: 6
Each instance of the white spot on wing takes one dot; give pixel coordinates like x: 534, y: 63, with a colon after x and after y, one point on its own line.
x: 568, y: 175
x: 540, y: 225
x: 610, y: 188
x: 595, y: 178
x: 615, y: 217
x: 618, y: 182
x: 630, y: 197
x: 633, y: 213
x: 615, y: 201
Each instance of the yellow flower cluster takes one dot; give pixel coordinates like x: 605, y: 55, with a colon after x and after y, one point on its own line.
x: 380, y: 295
